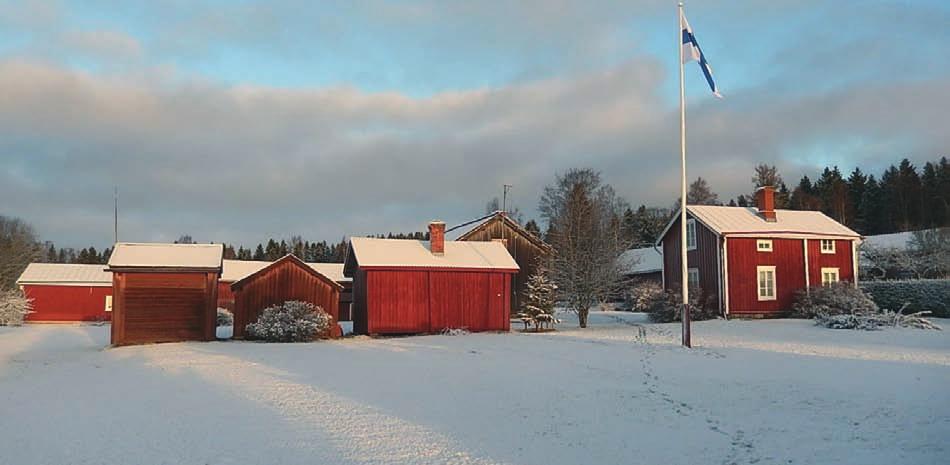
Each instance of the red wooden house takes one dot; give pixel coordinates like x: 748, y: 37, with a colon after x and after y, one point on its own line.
x: 235, y: 270
x: 164, y: 292
x: 408, y: 286
x: 288, y: 278
x: 751, y: 262
x: 67, y: 292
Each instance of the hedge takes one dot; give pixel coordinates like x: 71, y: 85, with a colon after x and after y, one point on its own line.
x: 931, y: 295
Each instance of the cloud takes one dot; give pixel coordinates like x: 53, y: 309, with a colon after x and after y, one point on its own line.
x: 242, y: 163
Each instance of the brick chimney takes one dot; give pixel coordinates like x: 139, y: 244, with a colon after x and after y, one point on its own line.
x: 765, y: 202
x: 437, y: 237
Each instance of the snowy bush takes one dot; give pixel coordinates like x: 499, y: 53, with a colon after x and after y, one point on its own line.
x: 920, y: 295
x: 874, y: 321
x: 14, y: 307
x: 642, y: 295
x: 292, y: 321
x: 225, y: 317
x: 667, y: 307
x: 837, y: 299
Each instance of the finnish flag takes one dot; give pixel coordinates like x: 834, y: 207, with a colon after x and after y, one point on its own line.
x: 691, y: 51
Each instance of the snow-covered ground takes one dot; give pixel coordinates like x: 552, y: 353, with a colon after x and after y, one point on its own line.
x: 620, y: 392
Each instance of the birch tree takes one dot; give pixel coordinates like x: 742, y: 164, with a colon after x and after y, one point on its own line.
x: 18, y: 247
x: 585, y: 227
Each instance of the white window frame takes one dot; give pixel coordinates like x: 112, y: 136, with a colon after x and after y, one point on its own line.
x: 108, y: 303
x: 690, y: 272
x: 758, y: 282
x: 763, y: 242
x: 691, y: 227
x: 831, y: 246
x: 836, y: 272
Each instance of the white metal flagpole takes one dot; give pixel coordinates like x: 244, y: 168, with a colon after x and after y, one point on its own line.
x: 684, y: 282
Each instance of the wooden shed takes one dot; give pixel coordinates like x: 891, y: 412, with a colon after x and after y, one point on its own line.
x: 164, y: 292
x: 64, y: 292
x: 235, y: 270
x: 523, y: 245
x: 288, y: 278
x: 411, y: 287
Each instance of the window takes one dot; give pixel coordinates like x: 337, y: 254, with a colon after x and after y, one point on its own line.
x: 692, y: 276
x: 108, y: 303
x: 766, y: 282
x: 828, y: 246
x: 763, y: 245
x: 690, y: 234
x: 829, y: 276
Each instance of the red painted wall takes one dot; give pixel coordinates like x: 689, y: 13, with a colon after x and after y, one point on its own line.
x: 68, y: 303
x: 225, y: 296
x: 428, y: 301
x: 841, y: 259
x: 705, y: 257
x: 788, y: 257
x: 163, y: 306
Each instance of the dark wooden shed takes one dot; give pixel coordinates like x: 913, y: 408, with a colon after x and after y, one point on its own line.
x: 164, y: 292
x: 523, y: 245
x: 288, y: 278
x: 413, y: 287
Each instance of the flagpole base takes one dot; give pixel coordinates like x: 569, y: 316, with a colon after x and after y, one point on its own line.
x: 687, y: 323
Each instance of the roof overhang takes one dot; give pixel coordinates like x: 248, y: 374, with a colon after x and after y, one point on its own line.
x: 162, y: 269
x: 65, y: 283
x: 439, y: 268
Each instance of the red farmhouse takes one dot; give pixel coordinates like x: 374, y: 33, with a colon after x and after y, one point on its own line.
x: 408, y: 286
x: 66, y: 292
x: 750, y: 262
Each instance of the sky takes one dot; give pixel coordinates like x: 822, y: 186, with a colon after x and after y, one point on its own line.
x: 237, y: 121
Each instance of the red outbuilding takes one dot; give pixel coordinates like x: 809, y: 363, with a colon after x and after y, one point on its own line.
x: 288, y: 278
x: 235, y: 270
x: 67, y: 292
x: 164, y: 292
x: 410, y: 287
x: 751, y: 262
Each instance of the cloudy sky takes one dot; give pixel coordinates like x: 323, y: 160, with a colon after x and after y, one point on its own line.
x: 236, y: 121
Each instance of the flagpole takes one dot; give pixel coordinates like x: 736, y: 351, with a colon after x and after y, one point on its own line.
x: 683, y: 255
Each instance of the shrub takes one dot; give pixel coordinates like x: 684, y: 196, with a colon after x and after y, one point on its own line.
x: 225, y: 317
x: 642, y: 295
x: 667, y: 307
x: 920, y: 295
x: 837, y: 299
x: 14, y: 307
x: 292, y: 321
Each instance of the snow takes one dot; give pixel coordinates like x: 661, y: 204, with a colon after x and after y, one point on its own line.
x: 621, y: 391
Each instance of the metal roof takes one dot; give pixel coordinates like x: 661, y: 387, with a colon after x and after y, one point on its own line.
x: 737, y: 221
x: 235, y: 270
x: 637, y: 261
x: 65, y: 274
x: 411, y: 253
x: 157, y: 255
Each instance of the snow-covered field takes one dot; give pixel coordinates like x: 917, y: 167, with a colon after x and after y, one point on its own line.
x: 621, y: 392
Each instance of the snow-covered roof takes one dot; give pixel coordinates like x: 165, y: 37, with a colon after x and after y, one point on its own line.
x: 65, y: 274
x: 167, y: 256
x: 637, y: 261
x: 894, y: 240
x: 411, y: 253
x: 235, y: 270
x: 737, y: 221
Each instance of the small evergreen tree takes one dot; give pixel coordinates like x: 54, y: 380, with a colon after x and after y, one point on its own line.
x: 541, y: 296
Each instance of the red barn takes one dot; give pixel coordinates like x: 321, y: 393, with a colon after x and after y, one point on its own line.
x: 751, y: 262
x: 286, y: 279
x: 410, y: 287
x: 66, y: 292
x: 235, y: 270
x: 164, y: 292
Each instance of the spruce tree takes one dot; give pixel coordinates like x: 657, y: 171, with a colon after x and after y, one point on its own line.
x: 540, y: 297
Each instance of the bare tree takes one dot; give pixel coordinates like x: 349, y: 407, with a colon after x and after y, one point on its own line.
x: 18, y: 247
x: 699, y: 193
x: 585, y: 227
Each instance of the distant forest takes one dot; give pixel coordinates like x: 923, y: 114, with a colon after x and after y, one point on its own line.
x: 902, y: 198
